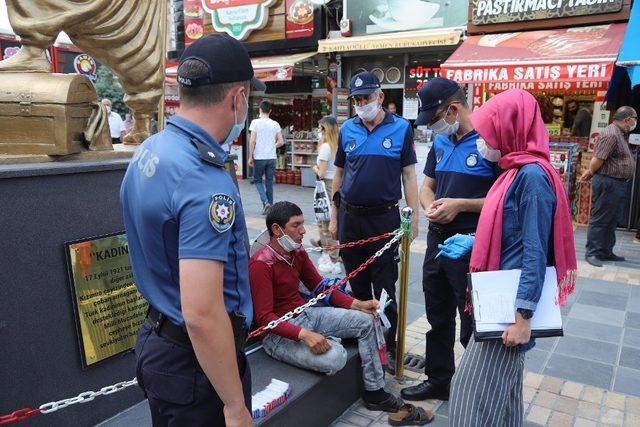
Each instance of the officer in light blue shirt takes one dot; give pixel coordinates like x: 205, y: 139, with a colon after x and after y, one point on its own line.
x: 186, y: 229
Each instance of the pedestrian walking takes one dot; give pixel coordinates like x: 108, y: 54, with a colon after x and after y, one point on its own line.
x: 328, y: 134
x: 525, y: 224
x: 186, y: 229
x: 266, y: 137
x: 116, y: 125
x: 457, y: 179
x: 610, y: 170
x: 375, y: 153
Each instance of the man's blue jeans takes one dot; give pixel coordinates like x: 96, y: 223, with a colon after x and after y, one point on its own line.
x: 268, y: 169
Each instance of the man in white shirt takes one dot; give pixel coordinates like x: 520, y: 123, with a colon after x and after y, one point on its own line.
x: 116, y: 124
x: 266, y: 136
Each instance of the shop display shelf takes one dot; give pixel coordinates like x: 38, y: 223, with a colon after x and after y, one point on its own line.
x: 302, y: 165
x: 305, y: 153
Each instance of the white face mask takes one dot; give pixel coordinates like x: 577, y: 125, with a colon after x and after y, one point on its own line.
x: 237, y: 128
x: 108, y: 110
x: 488, y: 153
x: 369, y: 112
x: 287, y: 243
x: 443, y: 127
x: 320, y: 135
x: 632, y: 128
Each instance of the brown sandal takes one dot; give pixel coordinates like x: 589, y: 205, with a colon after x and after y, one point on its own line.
x: 410, y: 415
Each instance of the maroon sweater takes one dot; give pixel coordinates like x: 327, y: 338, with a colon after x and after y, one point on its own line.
x: 275, y: 281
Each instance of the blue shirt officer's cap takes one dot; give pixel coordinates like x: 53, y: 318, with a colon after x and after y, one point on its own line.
x: 433, y: 94
x: 364, y: 83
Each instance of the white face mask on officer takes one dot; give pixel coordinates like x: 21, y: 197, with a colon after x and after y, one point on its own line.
x: 287, y: 243
x: 368, y: 112
x: 237, y: 128
x: 488, y: 153
x: 445, y: 128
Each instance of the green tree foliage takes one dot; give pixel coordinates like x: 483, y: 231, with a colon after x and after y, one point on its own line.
x: 108, y: 86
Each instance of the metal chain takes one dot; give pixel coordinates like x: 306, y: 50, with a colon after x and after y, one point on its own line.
x: 87, y: 396
x: 397, y: 234
x: 47, y: 408
x: 350, y: 244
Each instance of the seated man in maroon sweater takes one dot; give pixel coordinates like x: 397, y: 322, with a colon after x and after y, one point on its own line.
x: 310, y: 340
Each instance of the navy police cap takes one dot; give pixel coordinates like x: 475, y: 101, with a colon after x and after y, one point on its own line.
x: 364, y: 83
x: 226, y: 59
x: 431, y: 95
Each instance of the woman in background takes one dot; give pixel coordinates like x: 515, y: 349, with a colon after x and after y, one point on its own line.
x: 328, y: 132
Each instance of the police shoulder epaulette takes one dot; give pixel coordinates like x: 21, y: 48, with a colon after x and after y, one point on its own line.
x: 207, y: 155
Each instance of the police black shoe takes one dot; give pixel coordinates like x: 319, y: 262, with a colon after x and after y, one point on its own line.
x: 613, y: 257
x: 425, y: 390
x: 594, y: 261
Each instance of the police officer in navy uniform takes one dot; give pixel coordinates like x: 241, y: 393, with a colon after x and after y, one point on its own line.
x: 375, y: 152
x: 186, y: 229
x: 457, y: 178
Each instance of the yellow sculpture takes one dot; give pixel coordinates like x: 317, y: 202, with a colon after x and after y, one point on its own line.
x: 125, y: 35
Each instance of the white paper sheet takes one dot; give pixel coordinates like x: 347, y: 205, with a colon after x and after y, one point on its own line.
x: 486, y: 285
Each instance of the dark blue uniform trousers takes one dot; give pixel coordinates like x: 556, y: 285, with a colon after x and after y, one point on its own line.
x: 179, y: 393
x: 383, y: 273
x: 444, y: 282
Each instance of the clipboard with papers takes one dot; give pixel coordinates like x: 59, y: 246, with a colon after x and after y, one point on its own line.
x: 493, y: 296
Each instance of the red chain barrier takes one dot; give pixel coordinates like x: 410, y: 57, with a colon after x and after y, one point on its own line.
x: 357, y: 242
x: 18, y: 416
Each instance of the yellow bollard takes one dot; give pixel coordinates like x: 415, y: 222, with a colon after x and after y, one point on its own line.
x: 405, y: 243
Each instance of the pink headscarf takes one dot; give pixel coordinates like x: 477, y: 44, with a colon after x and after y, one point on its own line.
x: 511, y: 122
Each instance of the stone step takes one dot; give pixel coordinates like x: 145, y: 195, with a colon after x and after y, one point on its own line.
x: 316, y: 400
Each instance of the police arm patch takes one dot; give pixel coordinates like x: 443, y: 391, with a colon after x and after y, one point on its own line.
x: 222, y: 212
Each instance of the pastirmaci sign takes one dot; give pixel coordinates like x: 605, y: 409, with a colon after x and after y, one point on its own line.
x: 238, y: 17
x: 504, y: 11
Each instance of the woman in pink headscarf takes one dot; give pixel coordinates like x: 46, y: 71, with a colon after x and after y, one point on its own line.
x: 525, y: 224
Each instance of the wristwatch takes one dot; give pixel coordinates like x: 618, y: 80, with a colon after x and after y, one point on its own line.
x: 526, y: 314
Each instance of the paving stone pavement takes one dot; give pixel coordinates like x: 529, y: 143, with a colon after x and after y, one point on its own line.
x: 589, y: 377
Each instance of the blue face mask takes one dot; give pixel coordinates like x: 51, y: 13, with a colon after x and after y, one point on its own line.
x: 237, y: 128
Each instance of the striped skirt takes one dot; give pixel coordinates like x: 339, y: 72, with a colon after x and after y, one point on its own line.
x: 486, y: 389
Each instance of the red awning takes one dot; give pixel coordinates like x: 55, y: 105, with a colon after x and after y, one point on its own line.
x: 584, y: 54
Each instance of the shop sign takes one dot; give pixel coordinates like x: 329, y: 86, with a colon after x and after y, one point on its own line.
x: 415, y: 76
x: 600, y: 119
x: 86, y: 65
x: 193, y: 21
x: 509, y: 11
x: 549, y: 86
x: 387, y: 16
x: 275, y: 74
x: 238, y: 18
x: 600, y: 71
x: 299, y: 19
x: 402, y: 41
x: 10, y: 51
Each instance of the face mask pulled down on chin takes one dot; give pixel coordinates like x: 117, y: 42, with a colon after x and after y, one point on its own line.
x: 368, y: 112
x: 287, y: 243
x: 237, y: 128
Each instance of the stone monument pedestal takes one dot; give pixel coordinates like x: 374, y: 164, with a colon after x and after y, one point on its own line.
x: 44, y: 205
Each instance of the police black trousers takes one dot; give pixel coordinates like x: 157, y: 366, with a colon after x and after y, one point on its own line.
x: 607, y: 196
x: 444, y: 282
x: 383, y: 273
x: 179, y: 393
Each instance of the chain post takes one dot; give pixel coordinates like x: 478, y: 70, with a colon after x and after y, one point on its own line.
x: 405, y: 243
